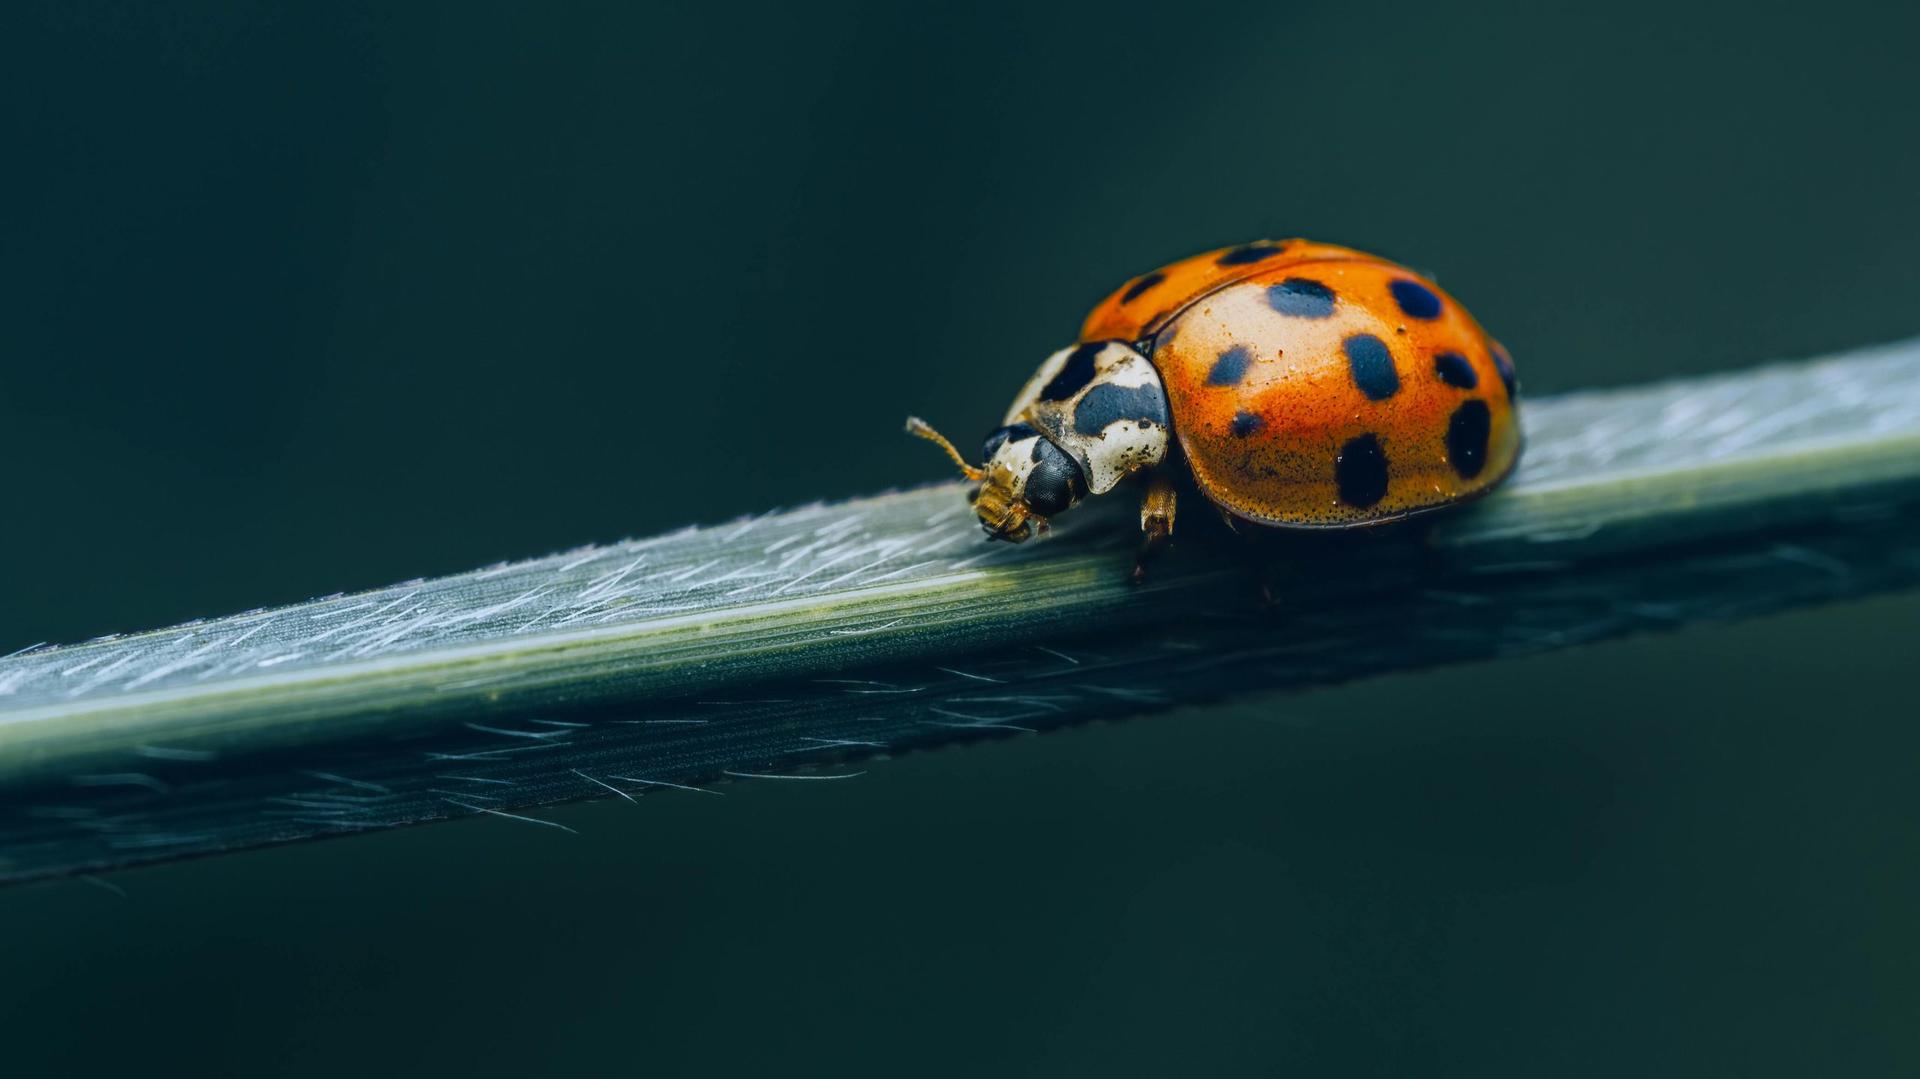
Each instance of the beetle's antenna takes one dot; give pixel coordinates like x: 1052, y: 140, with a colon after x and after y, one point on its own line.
x: 919, y: 427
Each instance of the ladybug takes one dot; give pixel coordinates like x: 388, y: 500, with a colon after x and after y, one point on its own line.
x: 1299, y: 385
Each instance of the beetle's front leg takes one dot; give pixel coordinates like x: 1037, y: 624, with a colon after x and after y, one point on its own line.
x: 1156, y: 519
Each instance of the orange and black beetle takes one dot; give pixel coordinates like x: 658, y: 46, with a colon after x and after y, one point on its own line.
x: 1302, y: 385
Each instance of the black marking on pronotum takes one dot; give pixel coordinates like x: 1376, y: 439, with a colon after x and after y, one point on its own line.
x: 1230, y: 367
x: 1371, y: 365
x: 1055, y: 482
x: 1249, y: 253
x: 1000, y: 436
x: 1301, y: 297
x: 1503, y: 363
x: 1135, y: 290
x: 1107, y: 403
x: 1074, y: 374
x: 1361, y: 472
x: 1467, y: 433
x: 1247, y: 424
x: 1454, y: 370
x: 1416, y: 299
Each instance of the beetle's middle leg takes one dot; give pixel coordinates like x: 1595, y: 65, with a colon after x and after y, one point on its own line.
x: 1156, y: 520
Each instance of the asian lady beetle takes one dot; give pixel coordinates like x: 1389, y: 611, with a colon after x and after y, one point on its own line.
x: 1300, y: 385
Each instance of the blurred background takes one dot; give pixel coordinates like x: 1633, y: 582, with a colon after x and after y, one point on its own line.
x: 303, y: 298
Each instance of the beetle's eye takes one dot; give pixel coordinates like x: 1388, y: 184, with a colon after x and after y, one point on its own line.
x: 1055, y: 482
x: 1000, y: 436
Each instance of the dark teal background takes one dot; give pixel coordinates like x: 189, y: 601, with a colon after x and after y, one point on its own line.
x: 310, y: 297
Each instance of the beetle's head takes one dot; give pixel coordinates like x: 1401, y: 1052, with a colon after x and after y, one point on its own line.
x: 1026, y: 479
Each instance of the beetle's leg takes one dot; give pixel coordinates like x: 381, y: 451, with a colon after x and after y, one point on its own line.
x: 1156, y: 520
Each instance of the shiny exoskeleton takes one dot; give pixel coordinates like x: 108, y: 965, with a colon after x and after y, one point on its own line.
x: 1301, y: 385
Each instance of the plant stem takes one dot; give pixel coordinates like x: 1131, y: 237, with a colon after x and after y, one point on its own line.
x: 786, y: 641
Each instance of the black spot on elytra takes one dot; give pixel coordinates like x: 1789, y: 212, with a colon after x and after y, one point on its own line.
x: 1503, y: 363
x: 1416, y: 299
x: 1301, y: 297
x: 1230, y: 367
x: 1074, y: 374
x: 1360, y: 472
x: 1371, y: 365
x: 1107, y: 403
x: 1246, y: 424
x: 1454, y: 370
x: 1135, y: 290
x: 1055, y: 482
x: 1247, y: 254
x: 1467, y: 434
x: 1000, y: 436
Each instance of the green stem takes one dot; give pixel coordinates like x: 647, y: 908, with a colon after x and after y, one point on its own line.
x: 780, y: 642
